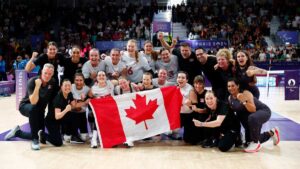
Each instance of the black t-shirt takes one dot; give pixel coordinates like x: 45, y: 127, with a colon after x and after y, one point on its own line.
x: 71, y: 68
x: 209, y: 71
x: 43, y: 59
x: 59, y: 102
x: 44, y: 93
x: 201, y: 99
x: 230, y: 122
x: 243, y: 78
x: 201, y: 104
x: 188, y: 65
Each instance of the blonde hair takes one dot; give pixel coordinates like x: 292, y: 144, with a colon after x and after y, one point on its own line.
x: 224, y: 52
x: 136, y: 53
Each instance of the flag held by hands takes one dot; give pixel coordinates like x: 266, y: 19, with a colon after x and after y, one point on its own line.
x: 135, y: 116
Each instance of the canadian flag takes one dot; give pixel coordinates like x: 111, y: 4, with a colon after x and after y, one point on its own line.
x: 135, y: 116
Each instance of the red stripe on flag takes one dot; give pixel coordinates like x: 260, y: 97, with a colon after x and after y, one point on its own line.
x: 172, y: 100
x: 108, y: 121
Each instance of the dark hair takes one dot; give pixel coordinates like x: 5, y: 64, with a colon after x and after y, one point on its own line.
x: 233, y: 79
x: 198, y: 48
x: 78, y: 74
x: 163, y: 49
x: 147, y: 73
x: 184, y: 72
x: 199, y: 79
x: 185, y: 44
x: 249, y: 59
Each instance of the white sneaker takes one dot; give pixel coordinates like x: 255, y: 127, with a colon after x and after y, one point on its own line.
x: 84, y: 136
x: 129, y: 144
x: 67, y: 138
x: 35, y: 144
x: 12, y: 133
x: 94, y: 142
x: 253, y: 147
x: 276, y: 135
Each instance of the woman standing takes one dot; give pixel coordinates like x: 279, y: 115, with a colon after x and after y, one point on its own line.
x: 186, y: 113
x: 150, y: 54
x: 136, y: 64
x: 80, y: 92
x: 226, y: 70
x: 200, y: 108
x: 101, y: 88
x: 252, y: 113
x: 75, y: 63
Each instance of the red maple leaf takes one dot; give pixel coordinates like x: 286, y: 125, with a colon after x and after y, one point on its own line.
x: 143, y: 111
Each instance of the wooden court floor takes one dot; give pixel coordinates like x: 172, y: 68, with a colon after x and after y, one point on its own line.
x: 167, y: 154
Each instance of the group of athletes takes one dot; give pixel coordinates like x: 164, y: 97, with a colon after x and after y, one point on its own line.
x: 210, y: 118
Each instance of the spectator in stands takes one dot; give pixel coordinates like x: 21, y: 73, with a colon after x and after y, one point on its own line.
x: 3, y: 76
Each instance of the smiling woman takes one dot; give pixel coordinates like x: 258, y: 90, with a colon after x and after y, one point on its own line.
x: 246, y: 72
x: 252, y: 114
x: 222, y: 129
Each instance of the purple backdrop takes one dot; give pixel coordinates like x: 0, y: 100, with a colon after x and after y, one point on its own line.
x: 291, y: 85
x: 7, y: 87
x: 289, y: 36
x: 161, y: 26
x: 207, y: 44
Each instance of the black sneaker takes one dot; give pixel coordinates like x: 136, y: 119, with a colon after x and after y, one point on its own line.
x: 42, y: 138
x: 210, y: 143
x: 76, y: 140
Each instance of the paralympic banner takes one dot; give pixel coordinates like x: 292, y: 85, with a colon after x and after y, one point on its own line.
x: 135, y: 116
x: 291, y: 84
x: 207, y: 44
x: 21, y: 85
x: 291, y: 37
x: 161, y: 26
